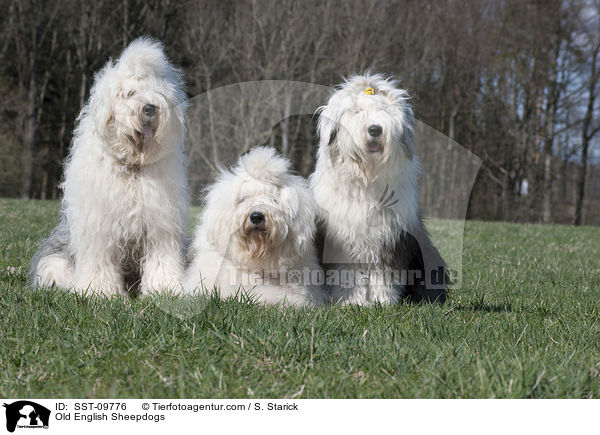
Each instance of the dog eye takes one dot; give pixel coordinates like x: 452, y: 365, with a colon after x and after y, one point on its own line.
x: 130, y: 94
x: 240, y: 200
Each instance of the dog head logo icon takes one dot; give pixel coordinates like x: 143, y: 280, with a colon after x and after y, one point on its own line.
x: 26, y: 414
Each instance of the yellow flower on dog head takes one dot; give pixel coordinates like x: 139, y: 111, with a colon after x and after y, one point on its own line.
x: 370, y: 91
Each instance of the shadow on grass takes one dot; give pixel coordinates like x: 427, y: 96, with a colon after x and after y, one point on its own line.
x: 484, y: 307
x: 506, y: 307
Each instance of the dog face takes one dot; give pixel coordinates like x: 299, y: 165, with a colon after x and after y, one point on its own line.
x: 138, y: 105
x: 262, y: 224
x: 260, y: 215
x: 366, y: 124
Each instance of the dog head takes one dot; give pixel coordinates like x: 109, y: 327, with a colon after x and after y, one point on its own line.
x: 137, y: 105
x: 367, y: 124
x: 259, y: 214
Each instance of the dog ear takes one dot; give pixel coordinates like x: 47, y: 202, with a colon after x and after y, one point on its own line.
x: 214, y: 225
x: 101, y: 100
x: 326, y: 126
x: 328, y: 132
x: 332, y: 136
x: 300, y: 208
x: 408, y: 132
x: 218, y: 209
x: 289, y: 201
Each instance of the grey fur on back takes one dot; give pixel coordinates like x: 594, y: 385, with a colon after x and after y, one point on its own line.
x: 56, y: 243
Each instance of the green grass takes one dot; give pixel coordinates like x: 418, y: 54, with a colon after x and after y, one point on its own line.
x: 525, y: 323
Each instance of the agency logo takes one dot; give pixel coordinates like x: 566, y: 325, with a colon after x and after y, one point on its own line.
x: 24, y: 414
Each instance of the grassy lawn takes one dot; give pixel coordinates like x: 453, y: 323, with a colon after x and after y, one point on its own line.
x: 526, y: 323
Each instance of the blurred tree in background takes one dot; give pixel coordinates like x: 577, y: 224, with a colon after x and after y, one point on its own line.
x: 515, y: 82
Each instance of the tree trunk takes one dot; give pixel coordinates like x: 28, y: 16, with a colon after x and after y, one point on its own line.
x: 30, y: 137
x: 581, y: 184
x: 31, y: 130
x: 125, y: 23
x: 551, y: 109
x: 587, y: 134
x: 547, y: 192
x: 44, y: 184
x: 285, y: 126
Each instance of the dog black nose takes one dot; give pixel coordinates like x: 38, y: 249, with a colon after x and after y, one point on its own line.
x: 149, y: 110
x: 375, y: 130
x: 257, y: 217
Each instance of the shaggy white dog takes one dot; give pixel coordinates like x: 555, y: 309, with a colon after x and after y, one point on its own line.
x: 256, y: 235
x: 365, y: 183
x: 125, y: 201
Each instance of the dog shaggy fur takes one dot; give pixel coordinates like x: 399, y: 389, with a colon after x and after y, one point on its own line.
x: 365, y: 184
x: 256, y: 235
x: 124, y: 208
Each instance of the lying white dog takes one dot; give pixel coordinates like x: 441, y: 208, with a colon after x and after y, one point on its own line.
x: 125, y: 201
x: 256, y: 235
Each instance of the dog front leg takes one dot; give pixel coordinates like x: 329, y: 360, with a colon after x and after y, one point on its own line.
x: 162, y: 268
x: 97, y: 270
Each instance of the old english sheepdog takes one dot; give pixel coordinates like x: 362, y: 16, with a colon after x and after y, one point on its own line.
x: 124, y: 209
x: 256, y: 233
x: 365, y: 183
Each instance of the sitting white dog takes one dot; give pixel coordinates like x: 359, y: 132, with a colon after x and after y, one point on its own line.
x: 125, y: 201
x: 365, y: 184
x: 256, y: 235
